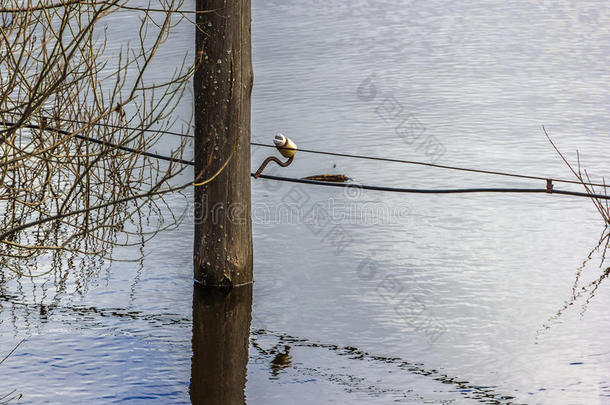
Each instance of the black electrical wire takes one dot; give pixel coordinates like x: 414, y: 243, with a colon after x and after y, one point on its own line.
x: 355, y: 156
x: 100, y: 142
x: 414, y: 162
x: 432, y: 191
x: 100, y: 124
x: 348, y: 185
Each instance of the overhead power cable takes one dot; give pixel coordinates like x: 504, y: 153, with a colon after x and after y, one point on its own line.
x: 432, y: 191
x: 464, y: 169
x: 356, y: 156
x: 352, y: 185
x: 100, y: 142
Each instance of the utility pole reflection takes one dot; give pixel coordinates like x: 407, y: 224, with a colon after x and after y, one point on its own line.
x: 221, y: 331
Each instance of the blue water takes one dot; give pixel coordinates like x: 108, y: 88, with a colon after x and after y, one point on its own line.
x: 406, y: 298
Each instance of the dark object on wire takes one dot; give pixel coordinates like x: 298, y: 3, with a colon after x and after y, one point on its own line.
x: 334, y: 178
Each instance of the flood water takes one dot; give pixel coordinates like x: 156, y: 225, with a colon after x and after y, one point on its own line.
x: 386, y: 297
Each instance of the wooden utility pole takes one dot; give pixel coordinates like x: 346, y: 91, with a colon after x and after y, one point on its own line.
x: 223, y: 84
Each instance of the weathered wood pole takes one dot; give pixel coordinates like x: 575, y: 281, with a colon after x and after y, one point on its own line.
x: 222, y: 88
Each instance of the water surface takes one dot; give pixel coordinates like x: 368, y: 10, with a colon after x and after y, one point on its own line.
x: 390, y: 297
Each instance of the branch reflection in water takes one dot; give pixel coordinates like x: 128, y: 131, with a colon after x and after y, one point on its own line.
x: 12, y: 395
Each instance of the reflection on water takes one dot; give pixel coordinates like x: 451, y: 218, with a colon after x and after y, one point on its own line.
x: 480, y: 77
x: 221, y: 327
x: 102, y: 331
x: 589, y: 289
x: 12, y: 395
x: 278, y: 356
x: 281, y: 359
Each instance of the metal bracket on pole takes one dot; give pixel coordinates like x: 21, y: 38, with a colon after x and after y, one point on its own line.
x: 286, y: 147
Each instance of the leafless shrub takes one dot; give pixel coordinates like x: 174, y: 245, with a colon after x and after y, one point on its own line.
x: 63, y: 195
x: 588, y: 290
